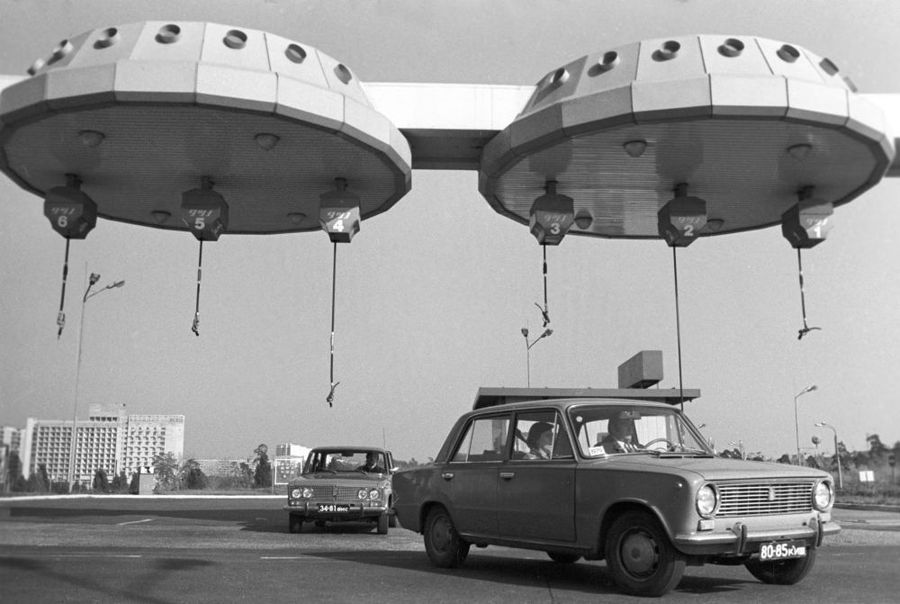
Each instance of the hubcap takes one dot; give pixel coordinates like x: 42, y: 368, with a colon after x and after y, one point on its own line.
x: 440, y: 534
x: 639, y: 554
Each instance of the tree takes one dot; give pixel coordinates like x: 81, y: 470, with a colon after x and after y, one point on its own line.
x: 38, y: 482
x: 101, y: 482
x: 166, y: 467
x: 119, y: 483
x: 877, y: 449
x: 192, y: 476
x: 14, y: 472
x: 134, y: 487
x: 263, y: 475
x: 244, y: 473
x: 43, y: 480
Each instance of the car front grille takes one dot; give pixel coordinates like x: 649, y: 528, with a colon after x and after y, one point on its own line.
x: 762, y: 499
x: 334, y: 493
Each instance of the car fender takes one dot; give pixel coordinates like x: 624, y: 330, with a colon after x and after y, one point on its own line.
x: 663, y: 494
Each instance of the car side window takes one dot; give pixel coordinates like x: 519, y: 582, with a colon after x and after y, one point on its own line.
x: 484, y: 440
x: 540, y: 435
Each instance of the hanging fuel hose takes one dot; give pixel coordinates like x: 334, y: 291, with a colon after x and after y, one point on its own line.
x: 545, y: 311
x: 806, y: 328
x: 61, y: 315
x: 678, y: 327
x: 195, y: 326
x: 330, y: 397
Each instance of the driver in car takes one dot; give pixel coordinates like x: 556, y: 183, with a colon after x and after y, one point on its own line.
x: 371, y: 464
x: 620, y: 435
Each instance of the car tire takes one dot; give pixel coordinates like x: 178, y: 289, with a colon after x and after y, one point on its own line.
x: 383, y: 522
x: 640, y: 557
x: 564, y: 558
x: 444, y: 546
x: 392, y: 520
x: 782, y: 572
x: 295, y: 523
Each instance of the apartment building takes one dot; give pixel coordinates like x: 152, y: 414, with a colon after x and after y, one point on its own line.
x: 109, y: 439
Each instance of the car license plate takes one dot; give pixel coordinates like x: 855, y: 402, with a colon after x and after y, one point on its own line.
x: 781, y: 550
x: 334, y: 507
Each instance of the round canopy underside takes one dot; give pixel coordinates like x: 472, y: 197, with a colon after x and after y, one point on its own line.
x: 741, y: 167
x: 150, y: 154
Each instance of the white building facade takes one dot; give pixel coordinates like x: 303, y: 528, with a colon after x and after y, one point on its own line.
x: 109, y: 440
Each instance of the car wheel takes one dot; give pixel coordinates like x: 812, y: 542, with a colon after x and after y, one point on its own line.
x: 443, y: 544
x: 383, y: 522
x: 295, y: 523
x: 782, y: 572
x: 640, y: 556
x: 392, y: 520
x: 564, y: 558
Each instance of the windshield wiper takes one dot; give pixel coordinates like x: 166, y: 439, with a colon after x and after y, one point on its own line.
x: 681, y: 452
x: 700, y: 452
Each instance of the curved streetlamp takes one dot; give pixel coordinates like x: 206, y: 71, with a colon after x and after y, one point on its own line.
x: 88, y: 294
x: 837, y: 455
x: 796, y: 417
x: 529, y: 346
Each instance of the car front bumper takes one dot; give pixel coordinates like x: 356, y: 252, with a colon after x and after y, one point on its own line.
x: 741, y: 539
x: 311, y: 510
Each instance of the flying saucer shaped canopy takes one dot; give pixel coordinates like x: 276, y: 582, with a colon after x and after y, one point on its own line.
x: 745, y: 123
x: 144, y: 112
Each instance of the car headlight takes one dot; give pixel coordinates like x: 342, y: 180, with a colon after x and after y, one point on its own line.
x: 362, y: 493
x: 823, y: 495
x: 307, y: 493
x: 374, y: 494
x: 296, y: 493
x: 707, y: 501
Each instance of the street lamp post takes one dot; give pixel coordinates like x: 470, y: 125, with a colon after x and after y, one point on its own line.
x: 797, y: 417
x: 837, y: 454
x: 529, y: 346
x: 87, y: 296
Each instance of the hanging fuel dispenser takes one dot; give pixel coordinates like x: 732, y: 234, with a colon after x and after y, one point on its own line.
x: 339, y: 216
x: 206, y: 215
x: 804, y: 225
x: 679, y: 223
x: 551, y: 217
x: 72, y: 214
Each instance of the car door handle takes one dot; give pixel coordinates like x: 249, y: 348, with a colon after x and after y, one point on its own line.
x: 447, y: 475
x: 507, y: 475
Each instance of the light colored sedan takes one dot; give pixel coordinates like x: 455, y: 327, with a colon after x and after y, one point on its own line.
x: 620, y: 475
x: 343, y: 484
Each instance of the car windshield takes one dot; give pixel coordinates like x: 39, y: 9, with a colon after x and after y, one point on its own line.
x: 345, y: 462
x: 605, y: 429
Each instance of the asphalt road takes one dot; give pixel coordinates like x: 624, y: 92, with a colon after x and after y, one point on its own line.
x: 162, y: 550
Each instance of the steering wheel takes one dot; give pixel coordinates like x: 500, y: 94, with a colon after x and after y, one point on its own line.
x: 670, y: 446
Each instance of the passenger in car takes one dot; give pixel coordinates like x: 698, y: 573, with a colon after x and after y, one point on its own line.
x: 540, y: 441
x: 621, y: 433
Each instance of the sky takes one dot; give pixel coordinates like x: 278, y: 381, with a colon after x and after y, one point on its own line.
x: 432, y: 295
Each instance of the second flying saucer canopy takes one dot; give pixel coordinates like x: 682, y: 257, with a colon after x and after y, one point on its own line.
x: 744, y: 123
